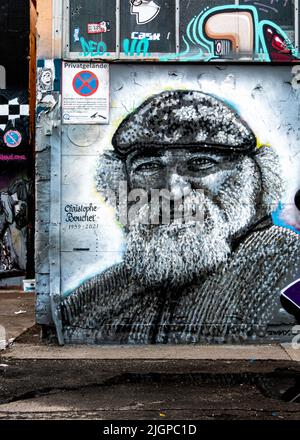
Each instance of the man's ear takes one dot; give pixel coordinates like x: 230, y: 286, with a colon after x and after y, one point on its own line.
x: 271, y: 176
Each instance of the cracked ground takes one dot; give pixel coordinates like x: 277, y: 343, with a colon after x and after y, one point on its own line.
x: 138, y: 389
x: 143, y: 389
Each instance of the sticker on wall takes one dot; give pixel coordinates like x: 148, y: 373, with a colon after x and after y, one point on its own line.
x: 45, y: 79
x: 85, y: 96
x: 12, y: 138
x: 48, y: 86
x: 76, y: 34
x: 98, y: 28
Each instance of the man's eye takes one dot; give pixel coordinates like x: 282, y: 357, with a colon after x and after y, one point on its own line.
x: 149, y: 166
x: 200, y: 164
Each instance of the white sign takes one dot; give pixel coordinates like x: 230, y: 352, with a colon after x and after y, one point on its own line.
x: 85, y: 93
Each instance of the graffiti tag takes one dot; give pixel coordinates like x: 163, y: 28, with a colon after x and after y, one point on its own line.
x: 93, y: 48
x: 135, y: 47
x: 148, y: 35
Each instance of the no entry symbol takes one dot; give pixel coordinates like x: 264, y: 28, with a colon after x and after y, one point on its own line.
x: 12, y: 138
x: 85, y: 83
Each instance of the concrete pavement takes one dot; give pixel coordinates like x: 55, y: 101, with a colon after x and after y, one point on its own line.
x: 16, y: 312
x: 163, y: 352
x: 149, y: 389
x: 40, y: 381
x: 17, y: 317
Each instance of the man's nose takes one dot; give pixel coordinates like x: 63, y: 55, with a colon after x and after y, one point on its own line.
x: 179, y: 186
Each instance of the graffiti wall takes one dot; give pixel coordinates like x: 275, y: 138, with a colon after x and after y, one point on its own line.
x: 16, y: 194
x: 167, y: 206
x: 14, y: 212
x: 167, y: 30
x: 172, y: 215
x: 262, y: 31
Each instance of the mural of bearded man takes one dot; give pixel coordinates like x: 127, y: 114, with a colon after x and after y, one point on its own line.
x: 194, y: 278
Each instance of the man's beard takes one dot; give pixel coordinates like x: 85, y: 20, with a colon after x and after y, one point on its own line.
x: 177, y: 254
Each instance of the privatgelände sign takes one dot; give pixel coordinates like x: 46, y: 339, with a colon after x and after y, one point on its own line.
x: 85, y: 93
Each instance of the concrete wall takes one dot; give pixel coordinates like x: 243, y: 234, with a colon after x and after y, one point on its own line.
x: 44, y: 29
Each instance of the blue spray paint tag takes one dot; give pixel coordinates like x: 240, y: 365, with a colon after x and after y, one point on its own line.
x: 76, y: 34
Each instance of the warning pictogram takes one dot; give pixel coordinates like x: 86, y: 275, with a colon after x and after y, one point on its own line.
x: 85, y: 83
x: 12, y: 138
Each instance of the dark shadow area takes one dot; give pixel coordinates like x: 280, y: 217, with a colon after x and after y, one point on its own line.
x: 283, y: 385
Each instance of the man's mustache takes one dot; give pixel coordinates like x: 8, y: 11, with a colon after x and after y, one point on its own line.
x: 194, y: 207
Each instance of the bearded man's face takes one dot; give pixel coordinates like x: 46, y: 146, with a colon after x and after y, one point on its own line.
x: 220, y: 193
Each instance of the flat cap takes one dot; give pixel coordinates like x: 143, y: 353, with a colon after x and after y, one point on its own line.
x: 182, y: 118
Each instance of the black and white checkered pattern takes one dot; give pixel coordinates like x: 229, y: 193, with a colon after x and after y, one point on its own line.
x: 11, y: 110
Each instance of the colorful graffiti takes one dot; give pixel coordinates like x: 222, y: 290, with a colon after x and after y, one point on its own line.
x: 93, y: 48
x: 14, y: 201
x: 14, y: 144
x: 136, y: 47
x: 230, y: 32
x: 130, y: 47
x: 235, y: 32
x: 290, y: 299
x: 17, y: 75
